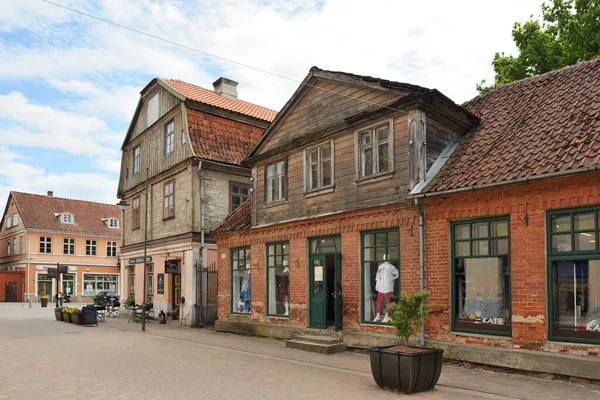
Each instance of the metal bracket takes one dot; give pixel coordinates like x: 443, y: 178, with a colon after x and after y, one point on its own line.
x: 523, y: 217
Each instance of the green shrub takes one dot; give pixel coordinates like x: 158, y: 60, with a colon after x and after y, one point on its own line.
x: 409, y: 312
x: 129, y: 302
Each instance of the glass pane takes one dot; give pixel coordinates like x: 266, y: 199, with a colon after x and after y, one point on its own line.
x: 365, y: 139
x: 480, y: 248
x: 369, y: 254
x: 585, y: 241
x: 367, y: 162
x: 383, y: 134
x: 499, y: 246
x: 326, y: 170
x: 499, y: 228
x: 368, y: 240
x: 280, y: 167
x: 278, y: 292
x: 393, y: 238
x: 313, y: 156
x: 584, y: 221
x: 314, y: 176
x: 325, y: 151
x: 480, y: 230
x: 381, y: 253
x: 380, y: 239
x: 482, y: 294
x: 241, y: 292
x: 384, y: 157
x: 576, y: 299
x: 380, y: 288
x: 462, y: 249
x: 561, y: 242
x: 393, y: 253
x: 271, y: 171
x: 461, y: 232
x: 561, y: 223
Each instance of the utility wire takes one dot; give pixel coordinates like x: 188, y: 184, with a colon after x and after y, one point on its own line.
x: 215, y: 56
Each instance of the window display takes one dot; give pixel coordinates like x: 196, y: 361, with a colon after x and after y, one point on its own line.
x: 241, y: 281
x: 381, y: 276
x: 278, y: 279
x: 481, y: 276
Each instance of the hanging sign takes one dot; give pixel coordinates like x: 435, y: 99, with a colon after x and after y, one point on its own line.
x: 140, y: 260
x: 160, y: 284
x: 173, y: 266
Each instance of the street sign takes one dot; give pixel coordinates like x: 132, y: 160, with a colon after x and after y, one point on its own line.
x: 140, y: 260
x: 63, y: 269
x: 173, y: 266
x: 51, y: 272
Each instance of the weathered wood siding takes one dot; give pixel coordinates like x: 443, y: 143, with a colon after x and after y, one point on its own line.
x: 438, y: 135
x: 166, y: 102
x: 324, y: 104
x: 348, y: 193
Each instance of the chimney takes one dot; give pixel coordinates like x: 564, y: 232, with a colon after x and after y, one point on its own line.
x: 226, y: 88
x: 50, y: 193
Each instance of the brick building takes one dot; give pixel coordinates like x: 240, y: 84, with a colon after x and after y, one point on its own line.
x: 502, y: 191
x: 40, y: 231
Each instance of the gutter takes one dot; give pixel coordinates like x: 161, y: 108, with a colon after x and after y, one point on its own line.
x: 421, y: 259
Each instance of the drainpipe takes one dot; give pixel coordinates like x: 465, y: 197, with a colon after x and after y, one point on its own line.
x: 421, y: 258
x: 200, y: 265
x: 28, y: 258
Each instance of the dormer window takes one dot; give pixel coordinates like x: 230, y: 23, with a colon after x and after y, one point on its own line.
x: 111, y: 222
x: 65, y: 218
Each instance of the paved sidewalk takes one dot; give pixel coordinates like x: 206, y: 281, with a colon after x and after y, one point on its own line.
x: 455, y: 382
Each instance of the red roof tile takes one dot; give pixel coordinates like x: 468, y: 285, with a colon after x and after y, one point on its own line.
x: 220, y: 139
x: 547, y: 123
x: 37, y: 211
x: 239, y: 220
x: 211, y: 98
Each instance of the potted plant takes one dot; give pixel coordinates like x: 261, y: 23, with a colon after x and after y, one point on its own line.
x: 44, y: 300
x: 148, y: 305
x: 66, y: 311
x: 407, y: 368
x: 77, y: 317
x: 171, y: 315
x: 58, y: 313
x: 128, y: 303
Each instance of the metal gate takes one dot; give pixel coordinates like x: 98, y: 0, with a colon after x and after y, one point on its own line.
x: 206, y: 295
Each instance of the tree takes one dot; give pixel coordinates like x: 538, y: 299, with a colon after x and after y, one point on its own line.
x: 569, y: 32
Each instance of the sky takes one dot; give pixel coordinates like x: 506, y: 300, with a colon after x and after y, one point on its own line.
x: 69, y: 84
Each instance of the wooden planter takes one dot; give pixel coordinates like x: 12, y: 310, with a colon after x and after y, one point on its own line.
x: 58, y: 315
x: 66, y: 317
x: 406, y: 372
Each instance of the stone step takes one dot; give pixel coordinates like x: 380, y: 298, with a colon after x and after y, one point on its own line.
x: 321, y: 339
x: 317, y: 344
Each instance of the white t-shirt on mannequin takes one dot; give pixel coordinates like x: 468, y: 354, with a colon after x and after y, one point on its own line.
x: 386, y: 274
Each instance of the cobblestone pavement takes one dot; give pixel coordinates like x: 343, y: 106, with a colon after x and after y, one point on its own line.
x: 46, y: 359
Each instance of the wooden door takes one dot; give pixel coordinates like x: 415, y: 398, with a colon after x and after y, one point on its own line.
x: 318, y: 292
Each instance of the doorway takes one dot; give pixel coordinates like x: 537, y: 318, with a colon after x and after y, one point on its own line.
x: 176, y: 291
x: 10, y: 292
x: 325, y: 288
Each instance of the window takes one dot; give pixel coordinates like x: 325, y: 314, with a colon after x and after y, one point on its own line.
x: 96, y: 283
x: 481, y: 276
x: 183, y: 139
x: 150, y: 272
x: 239, y: 193
x: 318, y: 167
x: 68, y: 284
x: 8, y: 221
x: 15, y: 246
x: 169, y: 203
x: 45, y: 244
x: 574, y: 262
x: 241, y: 290
x: 69, y: 246
x: 90, y: 247
x: 21, y: 244
x: 136, y: 160
x: 111, y: 249
x: 375, y: 154
x: 278, y: 279
x: 15, y: 219
x: 152, y: 115
x: 113, y: 223
x: 135, y: 212
x: 275, y: 181
x: 169, y: 137
x: 381, y: 274
x: 66, y: 218
x: 131, y: 283
x: 8, y: 247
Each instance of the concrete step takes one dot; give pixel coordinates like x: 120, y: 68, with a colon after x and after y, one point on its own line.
x: 317, y: 344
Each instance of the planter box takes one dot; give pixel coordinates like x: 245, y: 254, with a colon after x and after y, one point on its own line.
x: 66, y: 317
x: 58, y: 315
x: 406, y: 372
x: 44, y: 302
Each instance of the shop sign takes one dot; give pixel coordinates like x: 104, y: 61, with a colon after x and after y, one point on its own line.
x: 593, y: 326
x: 493, y: 321
x: 64, y: 268
x: 140, y: 260
x: 173, y: 266
x: 160, y: 284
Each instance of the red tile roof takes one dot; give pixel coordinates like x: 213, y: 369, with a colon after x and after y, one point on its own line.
x: 37, y: 211
x: 211, y: 98
x: 239, y: 220
x: 547, y: 123
x: 221, y: 139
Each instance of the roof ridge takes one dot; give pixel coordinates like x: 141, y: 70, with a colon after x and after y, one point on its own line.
x: 63, y: 198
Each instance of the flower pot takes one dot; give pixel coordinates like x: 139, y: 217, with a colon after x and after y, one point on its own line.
x: 406, y: 372
x: 74, y: 318
x: 170, y: 317
x: 44, y: 301
x: 58, y: 315
x: 66, y: 317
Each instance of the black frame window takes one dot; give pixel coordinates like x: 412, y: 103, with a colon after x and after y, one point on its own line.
x: 45, y: 244
x: 90, y: 247
x: 69, y: 246
x: 241, y: 281
x: 481, y: 296
x: 276, y: 181
x: 111, y: 249
x: 239, y: 194
x: 278, y: 279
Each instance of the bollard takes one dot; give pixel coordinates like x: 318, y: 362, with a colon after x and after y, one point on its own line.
x: 29, y: 303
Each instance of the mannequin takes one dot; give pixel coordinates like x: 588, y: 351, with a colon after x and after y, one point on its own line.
x: 384, y: 285
x: 245, y: 293
x: 286, y: 302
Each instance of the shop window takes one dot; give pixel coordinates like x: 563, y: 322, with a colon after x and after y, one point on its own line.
x: 574, y: 276
x: 381, y: 273
x: 68, y: 284
x: 481, y: 276
x: 278, y: 279
x: 46, y: 244
x: 96, y: 283
x: 150, y: 273
x: 131, y: 283
x: 241, y: 302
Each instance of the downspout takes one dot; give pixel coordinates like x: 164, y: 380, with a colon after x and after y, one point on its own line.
x: 421, y: 258
x: 200, y: 265
x: 28, y: 257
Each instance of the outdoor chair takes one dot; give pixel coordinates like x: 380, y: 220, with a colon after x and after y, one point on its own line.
x: 113, y: 311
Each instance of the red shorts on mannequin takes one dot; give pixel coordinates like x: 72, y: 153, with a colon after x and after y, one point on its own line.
x: 379, y: 304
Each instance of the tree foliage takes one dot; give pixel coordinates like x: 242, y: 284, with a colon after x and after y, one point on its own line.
x: 409, y: 312
x: 569, y: 32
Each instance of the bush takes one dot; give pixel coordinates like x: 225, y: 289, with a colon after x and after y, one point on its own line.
x: 129, y: 302
x: 409, y: 312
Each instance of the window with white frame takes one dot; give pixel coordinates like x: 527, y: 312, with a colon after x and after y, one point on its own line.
x: 90, y: 247
x: 8, y: 247
x: 69, y: 246
x: 276, y: 184
x: 96, y: 283
x: 152, y: 114
x: 183, y: 139
x: 375, y: 155
x: 67, y: 218
x: 169, y: 137
x: 113, y: 223
x: 46, y: 244
x: 111, y: 249
x: 319, y: 167
x: 8, y: 221
x: 150, y: 273
x: 15, y: 219
x: 169, y: 197
x: 15, y: 246
x: 136, y: 160
x: 21, y: 244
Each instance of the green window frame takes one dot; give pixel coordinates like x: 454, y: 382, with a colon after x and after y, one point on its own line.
x: 473, y: 241
x: 377, y: 247
x: 278, y: 279
x: 241, y: 302
x: 573, y: 255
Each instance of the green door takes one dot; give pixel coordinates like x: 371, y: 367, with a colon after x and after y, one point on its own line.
x: 338, y: 292
x: 318, y: 292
